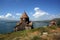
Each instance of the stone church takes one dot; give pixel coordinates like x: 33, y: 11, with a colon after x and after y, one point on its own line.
x: 53, y: 23
x: 24, y: 23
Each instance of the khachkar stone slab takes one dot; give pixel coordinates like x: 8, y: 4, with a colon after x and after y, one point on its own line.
x: 24, y: 23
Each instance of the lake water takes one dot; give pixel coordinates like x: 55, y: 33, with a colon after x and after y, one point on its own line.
x: 7, y: 27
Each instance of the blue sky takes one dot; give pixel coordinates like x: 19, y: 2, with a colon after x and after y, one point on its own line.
x: 36, y: 9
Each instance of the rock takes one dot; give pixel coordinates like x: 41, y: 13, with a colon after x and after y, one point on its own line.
x: 45, y: 33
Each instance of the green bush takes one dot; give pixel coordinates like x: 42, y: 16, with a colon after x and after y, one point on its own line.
x: 53, y: 27
x: 36, y: 38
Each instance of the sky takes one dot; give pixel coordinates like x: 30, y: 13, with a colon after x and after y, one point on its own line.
x: 35, y: 9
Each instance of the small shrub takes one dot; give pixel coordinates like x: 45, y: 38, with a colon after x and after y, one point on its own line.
x: 36, y: 38
x: 53, y: 27
x: 1, y: 38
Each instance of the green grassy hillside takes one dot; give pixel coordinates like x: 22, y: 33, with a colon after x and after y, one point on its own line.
x: 42, y: 33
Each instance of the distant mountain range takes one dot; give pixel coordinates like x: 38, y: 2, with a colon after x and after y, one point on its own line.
x: 56, y: 19
x: 4, y: 20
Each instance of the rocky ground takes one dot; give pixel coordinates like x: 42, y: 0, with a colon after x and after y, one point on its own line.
x: 42, y: 33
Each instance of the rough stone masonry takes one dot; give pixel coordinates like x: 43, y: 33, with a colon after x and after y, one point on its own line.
x: 24, y: 23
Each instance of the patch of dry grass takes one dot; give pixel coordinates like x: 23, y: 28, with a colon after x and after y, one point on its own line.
x: 34, y: 34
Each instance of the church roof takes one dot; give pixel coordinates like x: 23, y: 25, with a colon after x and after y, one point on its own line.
x: 24, y: 15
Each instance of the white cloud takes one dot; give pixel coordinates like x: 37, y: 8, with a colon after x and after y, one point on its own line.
x: 8, y: 15
x: 42, y: 15
x: 18, y: 14
x: 38, y: 13
x: 36, y: 9
x: 11, y: 16
x: 1, y: 16
x: 52, y: 16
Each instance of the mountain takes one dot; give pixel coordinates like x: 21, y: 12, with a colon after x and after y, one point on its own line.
x: 5, y: 20
x: 56, y: 19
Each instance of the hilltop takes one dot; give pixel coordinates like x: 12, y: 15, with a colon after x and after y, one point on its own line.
x: 42, y: 33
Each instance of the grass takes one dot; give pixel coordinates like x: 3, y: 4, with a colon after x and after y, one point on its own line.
x: 33, y: 34
x: 36, y: 38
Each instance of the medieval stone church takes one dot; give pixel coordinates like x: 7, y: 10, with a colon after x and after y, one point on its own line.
x: 24, y: 23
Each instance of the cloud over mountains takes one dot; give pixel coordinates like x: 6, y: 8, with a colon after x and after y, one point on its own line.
x: 42, y: 15
x: 10, y: 16
x: 37, y: 15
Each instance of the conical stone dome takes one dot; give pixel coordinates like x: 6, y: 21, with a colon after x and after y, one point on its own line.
x: 24, y: 15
